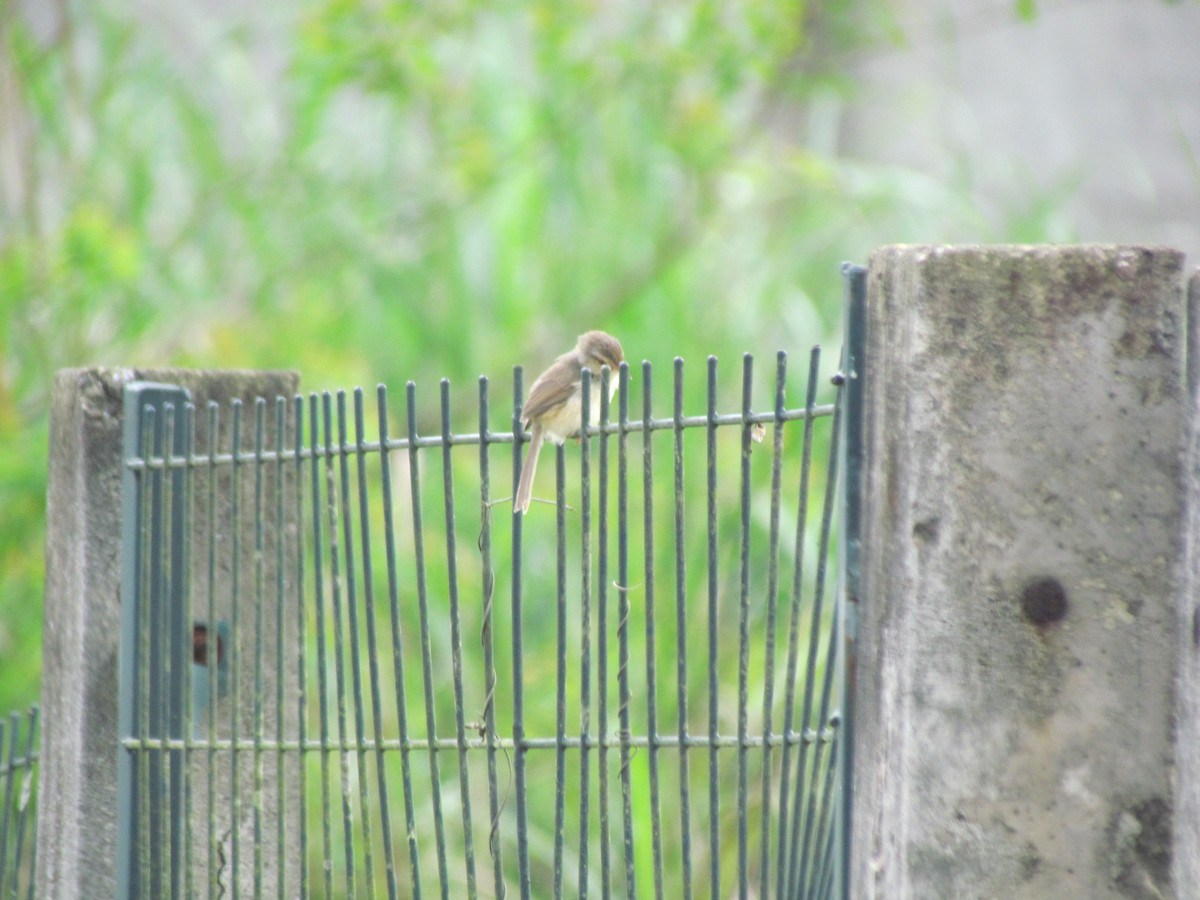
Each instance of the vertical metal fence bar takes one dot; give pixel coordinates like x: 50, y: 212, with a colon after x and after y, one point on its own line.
x: 460, y: 726
x: 22, y: 763
x: 11, y: 762
x: 789, y: 704
x: 213, y: 649
x: 8, y: 770
x: 149, y: 838
x: 653, y: 737
x: 318, y: 530
x: 279, y: 601
x: 235, y: 667
x: 623, y: 625
x: 681, y: 633
x: 389, y: 537
x: 602, y: 637
x: 801, y: 864
x: 301, y: 646
x: 518, y: 661
x: 281, y: 604
x: 364, y: 528
x: 166, y: 670
x: 768, y: 709
x: 355, y: 632
x: 10, y: 765
x: 339, y: 651
x: 235, y: 655
x: 181, y: 605
x: 186, y: 637
x: 28, y: 808
x: 743, y: 725
x: 585, y: 625
x: 260, y: 406
x: 714, y: 794
x: 33, y: 858
x: 560, y: 662
x: 414, y: 475
x: 174, y: 651
x: 354, y: 628
x: 159, y: 611
x: 487, y: 639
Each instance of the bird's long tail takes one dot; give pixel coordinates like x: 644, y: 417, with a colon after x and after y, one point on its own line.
x: 525, y: 486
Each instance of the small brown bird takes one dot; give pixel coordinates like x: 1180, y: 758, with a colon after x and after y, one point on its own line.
x: 555, y: 406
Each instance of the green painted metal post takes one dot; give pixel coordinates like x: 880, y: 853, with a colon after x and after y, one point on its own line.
x: 854, y: 385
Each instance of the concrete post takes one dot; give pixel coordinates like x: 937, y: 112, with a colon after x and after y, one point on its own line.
x: 1187, y: 703
x: 78, y: 775
x: 1017, y: 730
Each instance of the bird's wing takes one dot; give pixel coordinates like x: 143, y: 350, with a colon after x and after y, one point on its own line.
x: 545, y: 395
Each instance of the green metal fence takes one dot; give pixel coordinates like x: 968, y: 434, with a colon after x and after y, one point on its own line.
x: 349, y: 670
x: 18, y: 815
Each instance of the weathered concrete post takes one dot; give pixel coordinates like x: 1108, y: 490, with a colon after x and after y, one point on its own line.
x: 77, y: 837
x: 1187, y: 702
x: 1017, y: 730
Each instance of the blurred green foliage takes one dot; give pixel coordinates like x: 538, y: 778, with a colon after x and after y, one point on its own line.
x: 376, y: 192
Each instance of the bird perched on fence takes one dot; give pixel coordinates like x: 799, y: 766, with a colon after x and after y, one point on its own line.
x: 555, y: 405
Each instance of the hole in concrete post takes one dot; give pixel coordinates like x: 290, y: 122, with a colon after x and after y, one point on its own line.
x: 208, y: 650
x: 1044, y: 601
x: 926, y: 530
x: 200, y: 646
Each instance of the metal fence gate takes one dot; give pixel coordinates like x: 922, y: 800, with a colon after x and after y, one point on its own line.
x: 348, y: 670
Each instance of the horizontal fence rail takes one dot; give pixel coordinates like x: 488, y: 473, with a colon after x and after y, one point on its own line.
x: 18, y: 815
x: 348, y: 670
